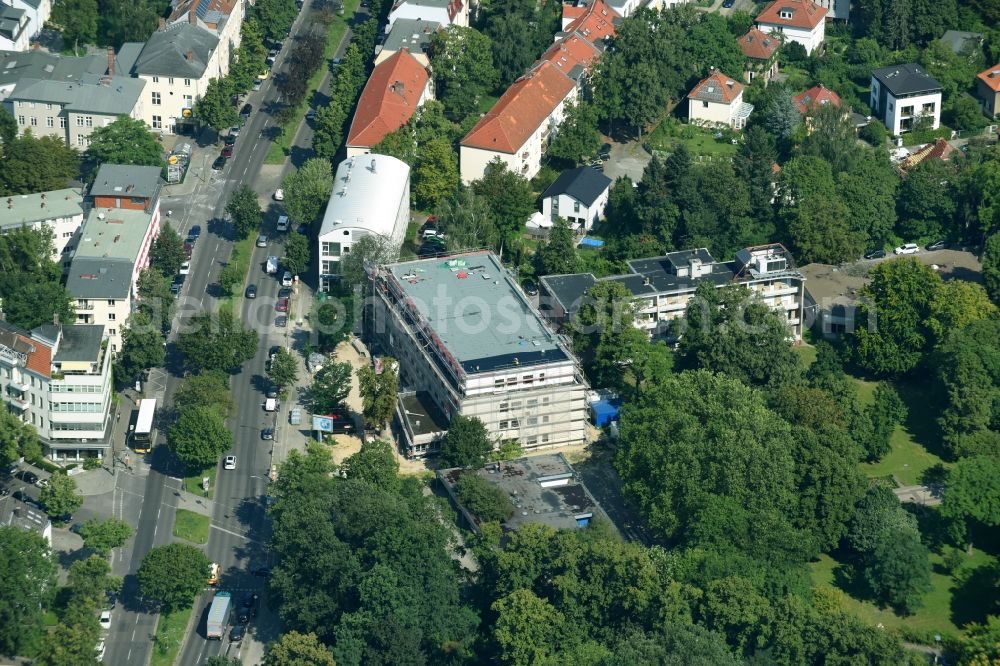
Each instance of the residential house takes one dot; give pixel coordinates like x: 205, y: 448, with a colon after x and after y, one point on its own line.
x: 662, y: 287
x: 444, y: 12
x: 939, y: 149
x: 573, y: 9
x: 397, y: 87
x: 815, y: 98
x: 901, y: 94
x: 61, y: 211
x: 102, y: 287
x: 224, y: 18
x: 414, y: 35
x: 718, y: 100
x: 371, y: 195
x: 517, y: 377
x: 177, y: 63
x: 58, y: 379
x: 801, y: 21
x: 15, y: 28
x: 579, y: 196
x: 761, y: 51
x: 37, y: 64
x: 988, y: 90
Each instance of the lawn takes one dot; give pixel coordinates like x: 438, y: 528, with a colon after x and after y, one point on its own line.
x: 192, y: 482
x: 191, y: 526
x: 241, y: 256
x: 701, y: 142
x: 806, y: 353
x: 169, y: 637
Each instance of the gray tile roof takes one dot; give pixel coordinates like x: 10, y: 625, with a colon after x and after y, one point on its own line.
x: 582, y: 183
x: 908, y: 79
x: 80, y: 344
x: 21, y: 209
x: 126, y: 57
x: 41, y: 65
x: 167, y: 52
x: 10, y: 21
x: 411, y: 34
x: 118, y: 96
x: 90, y: 277
x: 117, y: 180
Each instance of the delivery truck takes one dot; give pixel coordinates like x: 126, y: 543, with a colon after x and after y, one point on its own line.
x: 218, y: 616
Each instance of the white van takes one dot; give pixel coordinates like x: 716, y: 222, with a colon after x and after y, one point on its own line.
x: 271, y: 405
x: 282, y: 223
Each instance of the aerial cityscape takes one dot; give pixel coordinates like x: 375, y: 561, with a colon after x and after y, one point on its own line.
x: 534, y: 333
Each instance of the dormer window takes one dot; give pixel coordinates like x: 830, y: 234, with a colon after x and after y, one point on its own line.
x: 785, y: 14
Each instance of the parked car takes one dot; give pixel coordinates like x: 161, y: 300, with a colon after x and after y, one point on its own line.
x: 27, y: 476
x: 310, y: 114
x: 263, y: 572
x: 273, y: 351
x: 251, y: 291
x: 605, y: 152
x: 285, y: 292
x: 257, y: 85
x: 194, y: 234
x: 234, y: 130
x: 262, y: 241
x: 188, y: 249
x: 267, y: 434
x: 282, y: 221
x: 105, y: 620
x: 530, y: 289
x: 281, y: 321
x: 219, y: 164
x: 230, y: 139
x: 286, y: 279
x: 342, y: 422
x: 185, y: 268
x: 238, y: 632
x: 246, y: 111
x: 229, y: 462
x: 281, y: 305
x: 279, y: 194
x: 937, y: 245
x: 22, y: 496
x: 101, y: 649
x: 875, y: 254
x: 907, y: 248
x: 272, y: 391
x: 227, y: 151
x: 175, y: 289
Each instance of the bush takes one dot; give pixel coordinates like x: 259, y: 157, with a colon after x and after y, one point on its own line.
x: 874, y: 133
x: 91, y: 463
x: 485, y: 501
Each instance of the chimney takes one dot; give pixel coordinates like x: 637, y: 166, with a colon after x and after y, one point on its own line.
x: 163, y: 24
x: 193, y: 16
x: 36, y: 46
x: 190, y: 56
x: 111, y: 61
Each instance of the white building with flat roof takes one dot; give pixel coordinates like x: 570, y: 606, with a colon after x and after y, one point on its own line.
x: 371, y: 195
x: 60, y: 211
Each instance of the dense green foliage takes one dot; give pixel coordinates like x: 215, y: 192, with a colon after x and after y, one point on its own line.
x: 173, y: 575
x: 125, y: 141
x: 217, y: 343
x: 27, y: 582
x: 103, y: 535
x: 30, y: 281
x: 199, y: 436
x: 466, y: 444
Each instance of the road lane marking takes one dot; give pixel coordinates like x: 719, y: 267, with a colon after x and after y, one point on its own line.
x: 237, y: 534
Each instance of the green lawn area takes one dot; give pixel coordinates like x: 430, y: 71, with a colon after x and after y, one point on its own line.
x: 701, y: 142
x: 937, y: 613
x: 191, y: 526
x: 241, y: 256
x: 169, y: 637
x: 192, y: 482
x: 807, y: 353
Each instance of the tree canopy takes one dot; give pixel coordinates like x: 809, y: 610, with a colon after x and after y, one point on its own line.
x: 308, y: 189
x: 200, y: 436
x: 173, y: 575
x: 27, y: 583
x: 217, y: 342
x: 466, y: 444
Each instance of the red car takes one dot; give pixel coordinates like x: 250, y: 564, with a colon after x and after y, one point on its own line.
x: 188, y: 250
x: 227, y: 151
x: 282, y: 305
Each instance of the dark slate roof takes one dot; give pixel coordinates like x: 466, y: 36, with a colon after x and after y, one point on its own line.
x: 908, y: 79
x: 568, y: 290
x: 80, y: 344
x: 166, y: 52
x: 96, y: 278
x: 582, y: 183
x: 118, y: 180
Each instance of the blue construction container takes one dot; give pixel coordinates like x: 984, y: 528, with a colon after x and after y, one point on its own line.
x: 605, y: 411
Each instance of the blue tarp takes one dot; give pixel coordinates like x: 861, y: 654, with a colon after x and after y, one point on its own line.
x: 605, y: 411
x: 591, y: 242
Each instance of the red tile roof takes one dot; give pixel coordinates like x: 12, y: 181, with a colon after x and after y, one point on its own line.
x: 203, y: 7
x: 759, y: 45
x: 717, y: 87
x: 389, y: 99
x: 597, y: 23
x: 573, y: 12
x: 39, y: 355
x: 805, y: 14
x: 815, y: 97
x: 939, y: 150
x: 570, y: 52
x: 991, y: 77
x: 520, y: 110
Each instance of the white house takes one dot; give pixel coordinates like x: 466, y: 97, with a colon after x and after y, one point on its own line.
x: 445, y: 12
x: 901, y: 94
x: 718, y: 100
x: 61, y: 211
x: 371, y: 195
x: 801, y: 21
x: 579, y: 196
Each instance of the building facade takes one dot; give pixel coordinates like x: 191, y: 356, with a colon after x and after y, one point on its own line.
x: 579, y: 196
x: 103, y: 290
x: 903, y: 94
x: 59, y: 211
x: 761, y: 51
x: 469, y: 342
x: 988, y: 90
x: 801, y: 21
x: 718, y: 100
x: 371, y: 195
x: 444, y: 12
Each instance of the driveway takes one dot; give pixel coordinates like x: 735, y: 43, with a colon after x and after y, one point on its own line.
x: 627, y: 159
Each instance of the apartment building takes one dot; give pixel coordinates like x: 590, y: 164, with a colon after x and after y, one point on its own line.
x: 59, y: 211
x: 40, y: 65
x: 801, y: 21
x: 414, y: 35
x: 902, y: 94
x: 468, y: 341
x: 223, y: 18
x: 662, y: 287
x: 58, y: 379
x: 102, y: 288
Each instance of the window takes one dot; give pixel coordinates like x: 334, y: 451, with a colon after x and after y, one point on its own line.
x: 111, y: 302
x: 90, y: 120
x: 187, y: 82
x: 498, y: 383
x: 504, y: 406
x: 80, y: 140
x: 927, y: 108
x: 532, y: 420
x: 528, y: 380
x: 48, y: 107
x: 576, y: 206
x: 156, y: 99
x: 157, y: 122
x: 545, y: 438
x: 20, y: 120
x: 50, y: 122
x: 504, y: 424
x: 512, y: 381
x: 112, y: 331
x: 170, y: 81
x: 331, y: 249
x: 531, y: 441
x: 79, y: 121
x: 34, y: 121
x: 704, y: 105
x: 785, y: 14
x: 188, y: 102
x: 545, y: 419
x: 533, y: 402
x: 62, y: 122
x: 545, y: 400
x: 156, y: 79
x: 906, y: 110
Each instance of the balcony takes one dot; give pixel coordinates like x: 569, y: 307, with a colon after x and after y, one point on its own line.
x: 16, y: 402
x: 84, y: 305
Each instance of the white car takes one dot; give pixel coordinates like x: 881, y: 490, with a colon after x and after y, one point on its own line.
x: 105, y: 620
x: 185, y: 268
x: 282, y: 222
x: 279, y: 194
x: 907, y: 248
x: 100, y: 649
x: 262, y: 241
x: 286, y: 279
x: 229, y: 462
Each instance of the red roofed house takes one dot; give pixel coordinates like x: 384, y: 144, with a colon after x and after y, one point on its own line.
x: 801, y: 21
x: 445, y: 12
x: 761, y: 51
x: 517, y: 128
x: 718, y: 100
x: 572, y: 55
x: 939, y: 150
x: 397, y: 87
x: 988, y: 89
x: 595, y: 23
x: 816, y: 97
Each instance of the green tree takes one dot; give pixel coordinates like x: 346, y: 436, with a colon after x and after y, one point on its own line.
x: 73, y: 642
x: 519, y: 32
x: 219, y: 660
x: 231, y: 277
x: 926, y: 202
x: 466, y: 444
x: 577, y: 137
x: 611, y: 348
x: 167, y: 253
x: 510, y: 198
x: 886, y: 412
x: 462, y: 62
x: 820, y: 230
x: 378, y: 391
x: 215, y: 108
x: 103, y: 535
x: 30, y: 164
x: 17, y: 439
x: 972, y: 494
x: 558, y: 255
x: 249, y: 57
x: 121, y: 21
x: 295, y: 649
x: 526, y: 628
x: 142, y: 346
x: 807, y: 177
x: 28, y: 578
x: 733, y: 607
x: 275, y: 17
x: 899, y: 570
x: 8, y: 127
x: 200, y: 436
x: 34, y: 303
x: 955, y: 304
x: 374, y: 463
x: 969, y: 372
x: 206, y: 389
x: 991, y: 267
x: 468, y: 221
x: 76, y: 20
x: 372, y: 249
x: 245, y: 210
x: 284, y: 369
x: 330, y: 388
x: 868, y: 189
x: 874, y: 132
x: 487, y: 502
x: 754, y: 164
x: 60, y: 497
x: 980, y: 643
x: 308, y: 189
x: 297, y: 256
x: 90, y: 582
x: 217, y: 343
x: 877, y: 513
x: 436, y: 173
x: 125, y: 141
x: 781, y: 117
x: 173, y: 575
x: 155, y: 299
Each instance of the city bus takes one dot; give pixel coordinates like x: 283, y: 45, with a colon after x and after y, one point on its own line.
x: 142, y: 437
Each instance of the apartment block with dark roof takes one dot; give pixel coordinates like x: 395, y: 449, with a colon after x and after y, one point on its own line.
x: 903, y: 94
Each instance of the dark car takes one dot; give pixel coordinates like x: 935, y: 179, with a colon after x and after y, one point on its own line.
x: 281, y: 322
x: 28, y: 477
x: 273, y: 351
x: 243, y: 616
x: 238, y: 632
x: 230, y: 139
x: 605, y: 152
x: 188, y: 249
x: 251, y: 291
x: 875, y: 254
x: 22, y: 496
x: 219, y: 164
x: 267, y: 434
x: 530, y: 289
x: 728, y: 3
x: 272, y: 391
x: 285, y: 292
x: 938, y: 245
x: 175, y: 289
x: 195, y: 233
x: 227, y: 151
x: 250, y: 604
x: 246, y: 111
